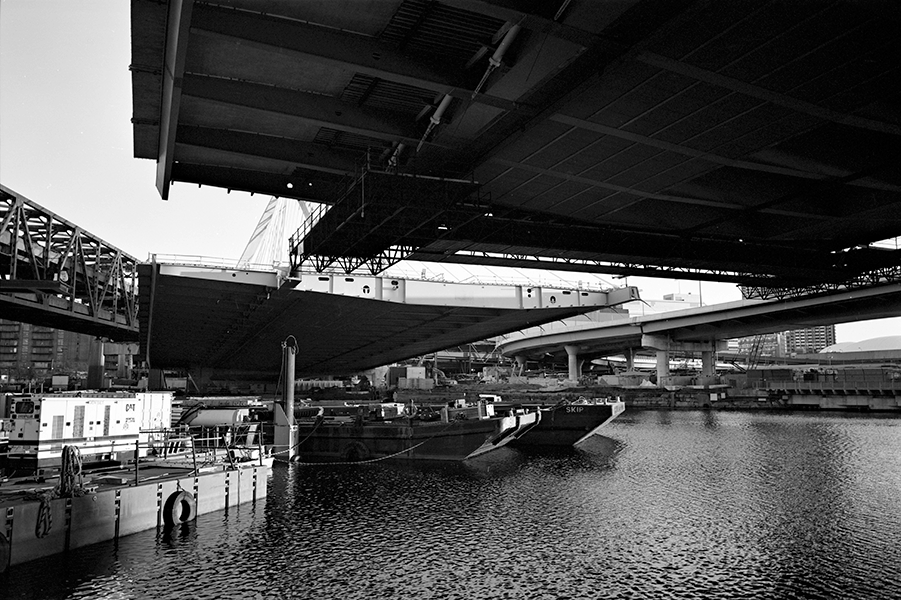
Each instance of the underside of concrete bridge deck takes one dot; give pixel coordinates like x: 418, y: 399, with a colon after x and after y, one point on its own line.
x: 235, y: 320
x: 750, y: 142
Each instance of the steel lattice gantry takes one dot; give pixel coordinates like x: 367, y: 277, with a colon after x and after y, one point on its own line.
x: 56, y: 274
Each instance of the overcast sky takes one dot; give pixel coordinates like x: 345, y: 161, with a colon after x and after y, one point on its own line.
x: 66, y: 143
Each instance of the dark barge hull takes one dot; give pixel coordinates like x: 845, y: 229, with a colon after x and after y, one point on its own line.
x: 402, y: 439
x: 568, y: 424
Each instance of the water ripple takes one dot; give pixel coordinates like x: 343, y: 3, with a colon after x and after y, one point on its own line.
x: 668, y: 505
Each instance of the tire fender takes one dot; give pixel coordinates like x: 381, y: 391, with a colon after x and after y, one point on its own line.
x: 180, y: 508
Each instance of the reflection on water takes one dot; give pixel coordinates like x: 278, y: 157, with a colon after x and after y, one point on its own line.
x: 667, y: 505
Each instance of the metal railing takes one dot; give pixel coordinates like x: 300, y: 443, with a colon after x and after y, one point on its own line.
x: 181, y: 442
x: 885, y: 385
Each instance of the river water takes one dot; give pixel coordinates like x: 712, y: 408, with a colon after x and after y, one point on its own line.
x: 666, y: 505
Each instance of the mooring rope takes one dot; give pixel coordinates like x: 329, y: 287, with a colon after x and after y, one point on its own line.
x: 360, y: 462
x: 45, y: 516
x: 69, y: 486
x: 70, y: 478
x: 319, y: 421
x: 367, y: 461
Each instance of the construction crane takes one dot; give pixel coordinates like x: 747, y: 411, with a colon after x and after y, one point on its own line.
x: 755, y: 351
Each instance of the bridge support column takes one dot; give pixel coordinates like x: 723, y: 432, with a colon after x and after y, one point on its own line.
x: 520, y: 364
x: 707, y: 363
x: 96, y: 365
x: 663, y: 345
x: 662, y: 367
x: 630, y: 359
x: 123, y: 362
x: 285, y: 428
x: 156, y: 381
x: 572, y: 355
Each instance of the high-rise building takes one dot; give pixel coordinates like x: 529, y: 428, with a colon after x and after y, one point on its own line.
x: 810, y: 340
x: 32, y: 352
x: 756, y: 349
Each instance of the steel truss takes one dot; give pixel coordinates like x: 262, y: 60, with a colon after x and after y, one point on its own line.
x: 583, y: 265
x: 381, y: 218
x: 49, y: 263
x: 864, y: 280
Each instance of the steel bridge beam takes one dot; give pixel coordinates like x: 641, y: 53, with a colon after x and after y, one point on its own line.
x: 173, y: 72
x: 360, y: 53
x: 325, y: 112
x: 294, y: 153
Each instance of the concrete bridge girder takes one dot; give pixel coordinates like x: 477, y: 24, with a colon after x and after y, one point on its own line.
x: 232, y: 319
x: 659, y: 342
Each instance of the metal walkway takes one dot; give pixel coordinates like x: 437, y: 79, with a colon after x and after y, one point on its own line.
x: 56, y: 274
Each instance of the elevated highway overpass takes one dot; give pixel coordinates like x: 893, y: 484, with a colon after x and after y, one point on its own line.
x: 697, y: 329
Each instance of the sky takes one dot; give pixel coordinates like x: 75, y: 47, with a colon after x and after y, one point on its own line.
x: 66, y: 144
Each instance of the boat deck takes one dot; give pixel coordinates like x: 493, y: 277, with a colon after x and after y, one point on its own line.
x: 110, y: 503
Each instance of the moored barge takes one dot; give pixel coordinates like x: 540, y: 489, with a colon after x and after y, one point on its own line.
x: 368, y: 432
x: 160, y: 480
x: 566, y: 423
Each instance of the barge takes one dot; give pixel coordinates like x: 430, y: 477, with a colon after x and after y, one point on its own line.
x: 368, y: 432
x: 145, y: 478
x: 569, y: 423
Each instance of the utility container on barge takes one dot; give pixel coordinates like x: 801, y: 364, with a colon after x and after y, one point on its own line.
x: 103, y: 426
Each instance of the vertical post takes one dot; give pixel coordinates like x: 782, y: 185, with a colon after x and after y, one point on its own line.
x: 290, y: 353
x: 95, y: 365
x: 260, y: 443
x: 285, y: 427
x: 228, y: 451
x: 137, y: 462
